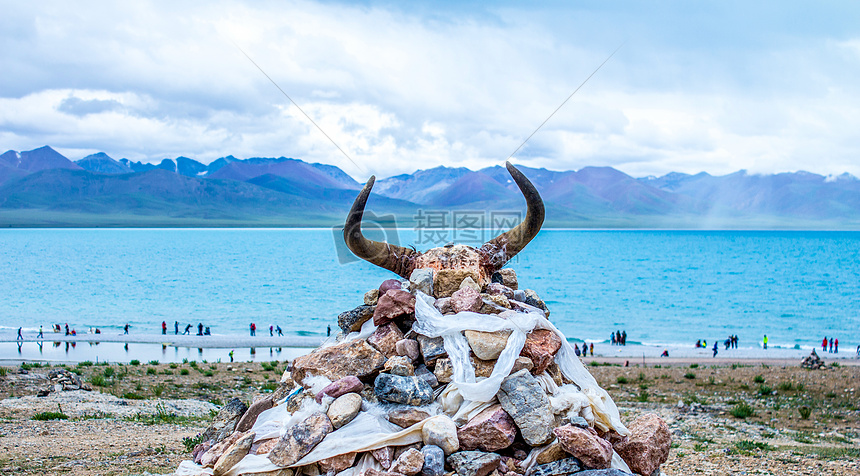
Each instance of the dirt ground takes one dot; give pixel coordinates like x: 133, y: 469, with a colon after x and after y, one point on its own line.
x: 726, y: 419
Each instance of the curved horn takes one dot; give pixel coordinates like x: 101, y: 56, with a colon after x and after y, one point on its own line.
x: 499, y: 250
x: 391, y: 257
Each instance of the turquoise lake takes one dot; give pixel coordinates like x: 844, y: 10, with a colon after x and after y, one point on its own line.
x: 660, y: 286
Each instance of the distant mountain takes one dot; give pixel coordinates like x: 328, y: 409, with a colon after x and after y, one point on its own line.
x: 37, y: 159
x: 42, y: 188
x: 103, y: 164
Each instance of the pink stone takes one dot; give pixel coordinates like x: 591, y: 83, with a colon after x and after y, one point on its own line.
x: 340, y: 387
x: 647, y: 447
x: 393, y: 304
x: 409, y: 462
x: 384, y: 339
x: 408, y: 348
x: 384, y: 456
x: 337, y: 463
x: 499, y: 289
x: 466, y: 299
x: 491, y: 430
x: 592, y: 450
x: 388, y: 285
x: 250, y: 416
x: 541, y: 346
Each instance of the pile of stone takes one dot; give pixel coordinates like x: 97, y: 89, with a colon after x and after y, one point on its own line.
x: 63, y: 381
x: 388, y: 400
x: 812, y: 362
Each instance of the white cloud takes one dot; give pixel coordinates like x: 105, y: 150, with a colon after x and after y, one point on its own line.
x: 453, y: 85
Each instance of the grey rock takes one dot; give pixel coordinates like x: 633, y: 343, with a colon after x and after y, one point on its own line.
x: 344, y: 409
x: 233, y: 454
x: 578, y: 421
x: 434, y: 461
x: 224, y: 423
x: 422, y: 280
x: 259, y: 406
x: 351, y: 321
x: 444, y: 370
x: 507, y: 277
x: 424, y: 373
x: 300, y: 439
x: 561, y: 467
x: 474, y: 463
x: 525, y: 401
x: 432, y: 348
x: 406, y: 390
x: 532, y: 299
x: 603, y: 472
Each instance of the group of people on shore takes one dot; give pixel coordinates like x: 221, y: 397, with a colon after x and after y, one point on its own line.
x: 584, y: 351
x: 201, y: 330
x: 834, y: 345
x: 618, y: 337
x: 272, y: 329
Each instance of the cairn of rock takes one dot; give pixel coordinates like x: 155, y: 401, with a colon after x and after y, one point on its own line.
x: 812, y: 362
x: 62, y: 381
x: 387, y: 400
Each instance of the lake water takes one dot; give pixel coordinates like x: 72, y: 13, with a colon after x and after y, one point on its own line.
x: 659, y: 286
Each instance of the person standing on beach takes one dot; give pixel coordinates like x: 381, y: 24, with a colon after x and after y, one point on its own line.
x: 187, y: 330
x: 124, y: 328
x: 831, y: 346
x: 40, y: 333
x: 20, y: 337
x: 764, y: 341
x: 591, y: 349
x: 612, y: 338
x: 67, y: 328
x: 200, y: 328
x: 328, y: 331
x: 231, y: 355
x: 836, y: 346
x: 824, y: 345
x: 280, y: 331
x: 271, y: 331
x: 715, y: 349
x: 253, y: 329
x: 623, y: 337
x: 176, y: 328
x: 164, y: 328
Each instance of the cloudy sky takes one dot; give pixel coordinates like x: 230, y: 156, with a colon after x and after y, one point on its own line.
x: 697, y: 86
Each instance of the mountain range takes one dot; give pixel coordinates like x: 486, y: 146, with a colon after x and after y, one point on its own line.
x: 41, y: 187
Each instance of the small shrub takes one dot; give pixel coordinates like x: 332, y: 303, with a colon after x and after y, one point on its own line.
x: 800, y: 387
x: 835, y: 365
x: 758, y: 379
x: 747, y: 446
x: 689, y: 375
x: 805, y: 412
x: 183, y: 372
x: 742, y: 410
x: 208, y: 373
x: 151, y: 371
x: 622, y: 380
x: 694, y: 366
x: 98, y: 380
x: 167, y: 372
x: 642, y: 397
x: 45, y: 416
x: 134, y: 362
x: 190, y: 442
x: 3, y: 371
x: 785, y: 386
x: 830, y: 395
x: 173, y: 366
x: 641, y: 377
x: 108, y: 372
x: 158, y: 390
x: 269, y: 387
x: 132, y: 396
x: 153, y: 362
x: 85, y: 363
x: 193, y: 364
x: 764, y: 390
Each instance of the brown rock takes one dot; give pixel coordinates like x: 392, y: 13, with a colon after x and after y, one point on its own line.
x: 337, y: 463
x: 409, y: 462
x: 385, y: 456
x: 300, y: 439
x: 483, y: 368
x: 393, y: 304
x: 446, y: 281
x: 344, y: 409
x: 408, y: 348
x: 466, y: 299
x: 355, y: 357
x: 224, y: 423
x: 432, y: 348
x: 199, y: 450
x: 552, y: 452
x: 647, y: 447
x: 212, y: 454
x: 541, y: 346
x: 407, y: 418
x: 371, y: 297
x: 494, y: 304
x: 376, y: 472
x: 444, y: 370
x: 522, y: 363
x: 592, y: 450
x: 263, y: 447
x: 384, y: 339
x: 352, y: 320
x: 487, y: 345
x: 233, y: 454
x: 443, y: 305
x: 399, y: 365
x: 259, y: 406
x: 348, y: 384
x: 491, y: 430
x: 388, y: 285
x: 507, y: 277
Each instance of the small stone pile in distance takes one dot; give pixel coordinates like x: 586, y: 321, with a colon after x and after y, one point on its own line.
x: 382, y: 373
x: 812, y: 362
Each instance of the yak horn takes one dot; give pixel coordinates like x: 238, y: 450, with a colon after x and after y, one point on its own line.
x: 391, y: 257
x: 499, y: 250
